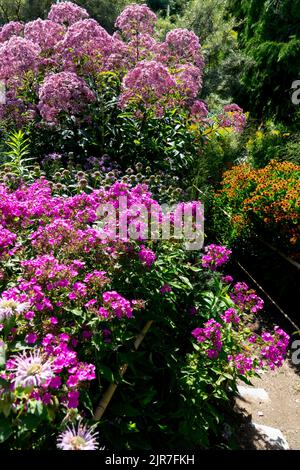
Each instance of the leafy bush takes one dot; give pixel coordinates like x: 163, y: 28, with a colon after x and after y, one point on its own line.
x: 129, y: 95
x: 265, y: 201
x: 273, y: 142
x: 91, y: 122
x: 224, y: 59
x: 73, y: 301
x: 269, y: 34
x: 103, y: 11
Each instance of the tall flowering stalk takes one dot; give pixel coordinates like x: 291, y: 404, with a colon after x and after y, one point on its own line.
x: 156, y: 75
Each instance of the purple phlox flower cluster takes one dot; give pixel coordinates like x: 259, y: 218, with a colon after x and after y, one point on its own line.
x: 185, y: 214
x: 57, y: 347
x: 96, y: 278
x: 193, y: 310
x: 87, y: 40
x: 227, y: 279
x: 233, y: 117
x: 63, y: 92
x: 17, y: 56
x: 242, y: 363
x: 141, y: 47
x: 136, y: 19
x: 211, y: 334
x: 246, y: 298
x: 13, y: 28
x: 67, y: 13
x: 18, y: 207
x: 79, y: 289
x: 230, y: 316
x: 64, y: 358
x: 181, y: 46
x: 189, y: 80
x: 215, y: 256
x: 117, y: 305
x: 274, y: 348
x: 55, y: 234
x: 65, y: 219
x: 31, y: 338
x: 147, y: 256
x: 148, y: 82
x: 199, y: 109
x: 166, y: 289
x: 48, y: 271
x: 45, y: 33
x: 138, y: 205
x: 42, y: 276
x: 80, y: 373
x: 7, y: 238
x: 267, y: 350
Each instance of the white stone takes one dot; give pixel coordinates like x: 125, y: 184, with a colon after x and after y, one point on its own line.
x: 257, y: 393
x: 272, y: 435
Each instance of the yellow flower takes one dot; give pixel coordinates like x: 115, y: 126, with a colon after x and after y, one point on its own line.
x: 275, y: 132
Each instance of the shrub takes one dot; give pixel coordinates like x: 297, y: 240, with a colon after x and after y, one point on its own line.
x: 134, y: 94
x: 71, y: 302
x: 273, y: 142
x: 264, y: 200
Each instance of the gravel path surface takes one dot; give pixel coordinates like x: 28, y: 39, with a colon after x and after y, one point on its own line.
x: 281, y: 411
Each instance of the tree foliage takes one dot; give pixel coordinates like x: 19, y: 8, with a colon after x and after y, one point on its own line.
x: 104, y: 11
x: 269, y: 33
x: 224, y: 62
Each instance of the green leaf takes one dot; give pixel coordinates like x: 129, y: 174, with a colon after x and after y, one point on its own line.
x: 5, y: 429
x: 30, y: 421
x: 228, y: 376
x: 77, y: 312
x: 2, y: 355
x: 195, y: 346
x: 86, y: 401
x: 107, y: 373
x: 186, y: 281
x: 3, y: 383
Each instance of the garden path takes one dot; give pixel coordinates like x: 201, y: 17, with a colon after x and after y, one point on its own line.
x: 280, y: 411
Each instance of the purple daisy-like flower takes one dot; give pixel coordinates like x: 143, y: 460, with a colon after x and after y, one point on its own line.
x: 80, y: 438
x: 31, y: 370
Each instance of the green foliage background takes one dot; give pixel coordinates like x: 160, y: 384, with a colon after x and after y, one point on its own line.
x: 269, y: 33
